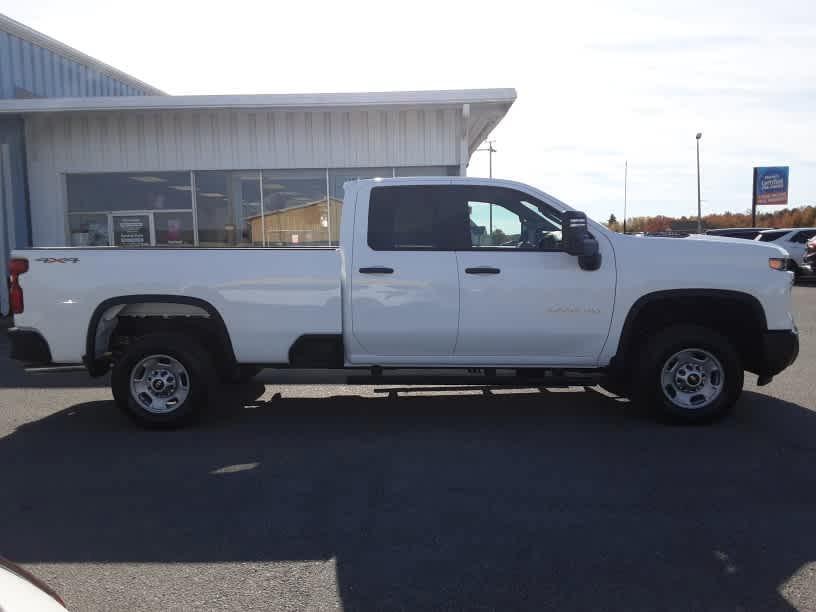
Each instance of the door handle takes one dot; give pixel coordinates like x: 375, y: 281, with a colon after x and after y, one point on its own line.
x: 482, y: 270
x: 377, y: 270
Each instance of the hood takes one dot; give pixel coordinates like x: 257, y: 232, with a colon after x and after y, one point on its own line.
x: 712, y: 245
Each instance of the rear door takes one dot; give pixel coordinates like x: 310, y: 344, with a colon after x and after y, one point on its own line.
x: 404, y: 276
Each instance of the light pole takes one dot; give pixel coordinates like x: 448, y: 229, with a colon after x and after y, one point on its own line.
x: 625, y: 180
x: 490, y: 150
x: 699, y: 208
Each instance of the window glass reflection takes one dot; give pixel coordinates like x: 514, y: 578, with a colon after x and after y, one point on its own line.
x: 174, y: 228
x: 89, y: 230
x: 295, y: 211
x: 128, y: 191
x: 224, y: 202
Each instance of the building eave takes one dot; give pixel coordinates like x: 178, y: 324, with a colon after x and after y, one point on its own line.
x: 487, y: 106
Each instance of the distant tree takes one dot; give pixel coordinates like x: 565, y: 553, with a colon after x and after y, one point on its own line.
x: 613, y: 224
x: 658, y: 224
x: 800, y: 216
x: 498, y: 237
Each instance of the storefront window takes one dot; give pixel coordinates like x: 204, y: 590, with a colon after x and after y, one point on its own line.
x: 295, y: 211
x: 128, y: 191
x: 224, y: 199
x: 89, y: 230
x: 174, y: 228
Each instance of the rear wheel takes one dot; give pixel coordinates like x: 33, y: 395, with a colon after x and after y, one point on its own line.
x: 689, y: 374
x: 163, y: 380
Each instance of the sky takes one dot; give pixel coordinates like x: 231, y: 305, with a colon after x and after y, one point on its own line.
x: 599, y: 83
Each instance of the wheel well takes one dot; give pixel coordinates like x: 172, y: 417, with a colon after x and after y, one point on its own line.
x: 737, y: 316
x: 118, y: 322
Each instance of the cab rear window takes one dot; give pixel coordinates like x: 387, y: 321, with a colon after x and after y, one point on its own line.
x: 413, y: 218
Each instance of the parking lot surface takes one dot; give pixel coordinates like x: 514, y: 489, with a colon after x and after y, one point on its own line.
x: 322, y: 497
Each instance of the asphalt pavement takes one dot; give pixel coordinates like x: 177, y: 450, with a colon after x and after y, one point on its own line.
x: 322, y: 497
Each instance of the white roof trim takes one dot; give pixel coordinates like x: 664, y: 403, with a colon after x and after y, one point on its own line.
x: 318, y: 101
x: 15, y: 28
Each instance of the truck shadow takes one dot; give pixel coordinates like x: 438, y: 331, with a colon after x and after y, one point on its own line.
x: 568, y: 501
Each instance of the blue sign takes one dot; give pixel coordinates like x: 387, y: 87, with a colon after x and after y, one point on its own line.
x: 771, y: 186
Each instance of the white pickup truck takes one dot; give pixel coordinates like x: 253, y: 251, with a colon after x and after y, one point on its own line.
x: 435, y: 281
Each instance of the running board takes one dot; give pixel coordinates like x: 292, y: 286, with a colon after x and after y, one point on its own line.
x: 55, y: 369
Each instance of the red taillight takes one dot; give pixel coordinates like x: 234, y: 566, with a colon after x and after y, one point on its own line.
x: 16, y: 268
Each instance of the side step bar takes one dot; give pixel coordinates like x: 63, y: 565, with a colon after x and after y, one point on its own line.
x: 54, y: 369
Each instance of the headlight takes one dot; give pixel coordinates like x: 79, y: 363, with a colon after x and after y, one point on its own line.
x: 778, y: 263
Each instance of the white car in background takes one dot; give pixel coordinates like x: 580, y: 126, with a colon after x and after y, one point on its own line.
x: 21, y: 591
x: 792, y: 239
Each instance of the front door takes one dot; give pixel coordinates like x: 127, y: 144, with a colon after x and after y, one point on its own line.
x: 404, y: 279
x: 133, y: 230
x: 523, y: 300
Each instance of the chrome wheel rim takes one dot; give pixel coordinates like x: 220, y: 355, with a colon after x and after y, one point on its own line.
x: 159, y: 384
x: 692, y: 379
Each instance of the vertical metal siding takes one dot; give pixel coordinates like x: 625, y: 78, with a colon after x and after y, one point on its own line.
x: 12, y: 134
x: 44, y: 73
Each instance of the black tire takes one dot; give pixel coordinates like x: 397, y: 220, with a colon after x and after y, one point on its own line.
x: 648, y: 389
x: 200, y: 379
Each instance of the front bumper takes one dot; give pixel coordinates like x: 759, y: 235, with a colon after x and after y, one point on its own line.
x: 778, y: 350
x: 29, y: 347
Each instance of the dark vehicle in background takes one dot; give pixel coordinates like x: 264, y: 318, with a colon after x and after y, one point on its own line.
x: 748, y: 233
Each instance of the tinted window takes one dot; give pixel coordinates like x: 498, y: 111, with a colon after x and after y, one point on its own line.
x: 771, y: 236
x: 803, y: 237
x: 129, y: 191
x: 416, y: 218
x: 507, y: 219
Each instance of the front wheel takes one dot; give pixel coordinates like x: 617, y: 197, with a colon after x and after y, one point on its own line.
x: 689, y: 374
x: 163, y: 380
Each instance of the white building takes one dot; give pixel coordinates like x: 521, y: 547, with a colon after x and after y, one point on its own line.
x: 191, y: 170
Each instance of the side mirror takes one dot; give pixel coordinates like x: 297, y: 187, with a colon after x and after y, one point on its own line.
x: 575, y: 235
x: 577, y: 241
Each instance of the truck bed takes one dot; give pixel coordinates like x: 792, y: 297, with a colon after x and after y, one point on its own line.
x: 267, y: 297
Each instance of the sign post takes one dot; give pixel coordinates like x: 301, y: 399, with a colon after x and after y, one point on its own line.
x: 770, y: 188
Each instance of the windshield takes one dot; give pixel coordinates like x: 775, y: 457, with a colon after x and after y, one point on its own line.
x: 548, y: 217
x: 771, y: 236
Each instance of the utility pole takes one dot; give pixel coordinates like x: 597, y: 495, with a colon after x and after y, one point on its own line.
x: 625, y: 180
x: 699, y: 207
x: 490, y: 150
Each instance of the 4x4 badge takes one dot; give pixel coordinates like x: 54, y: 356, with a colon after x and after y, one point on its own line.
x: 58, y: 260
